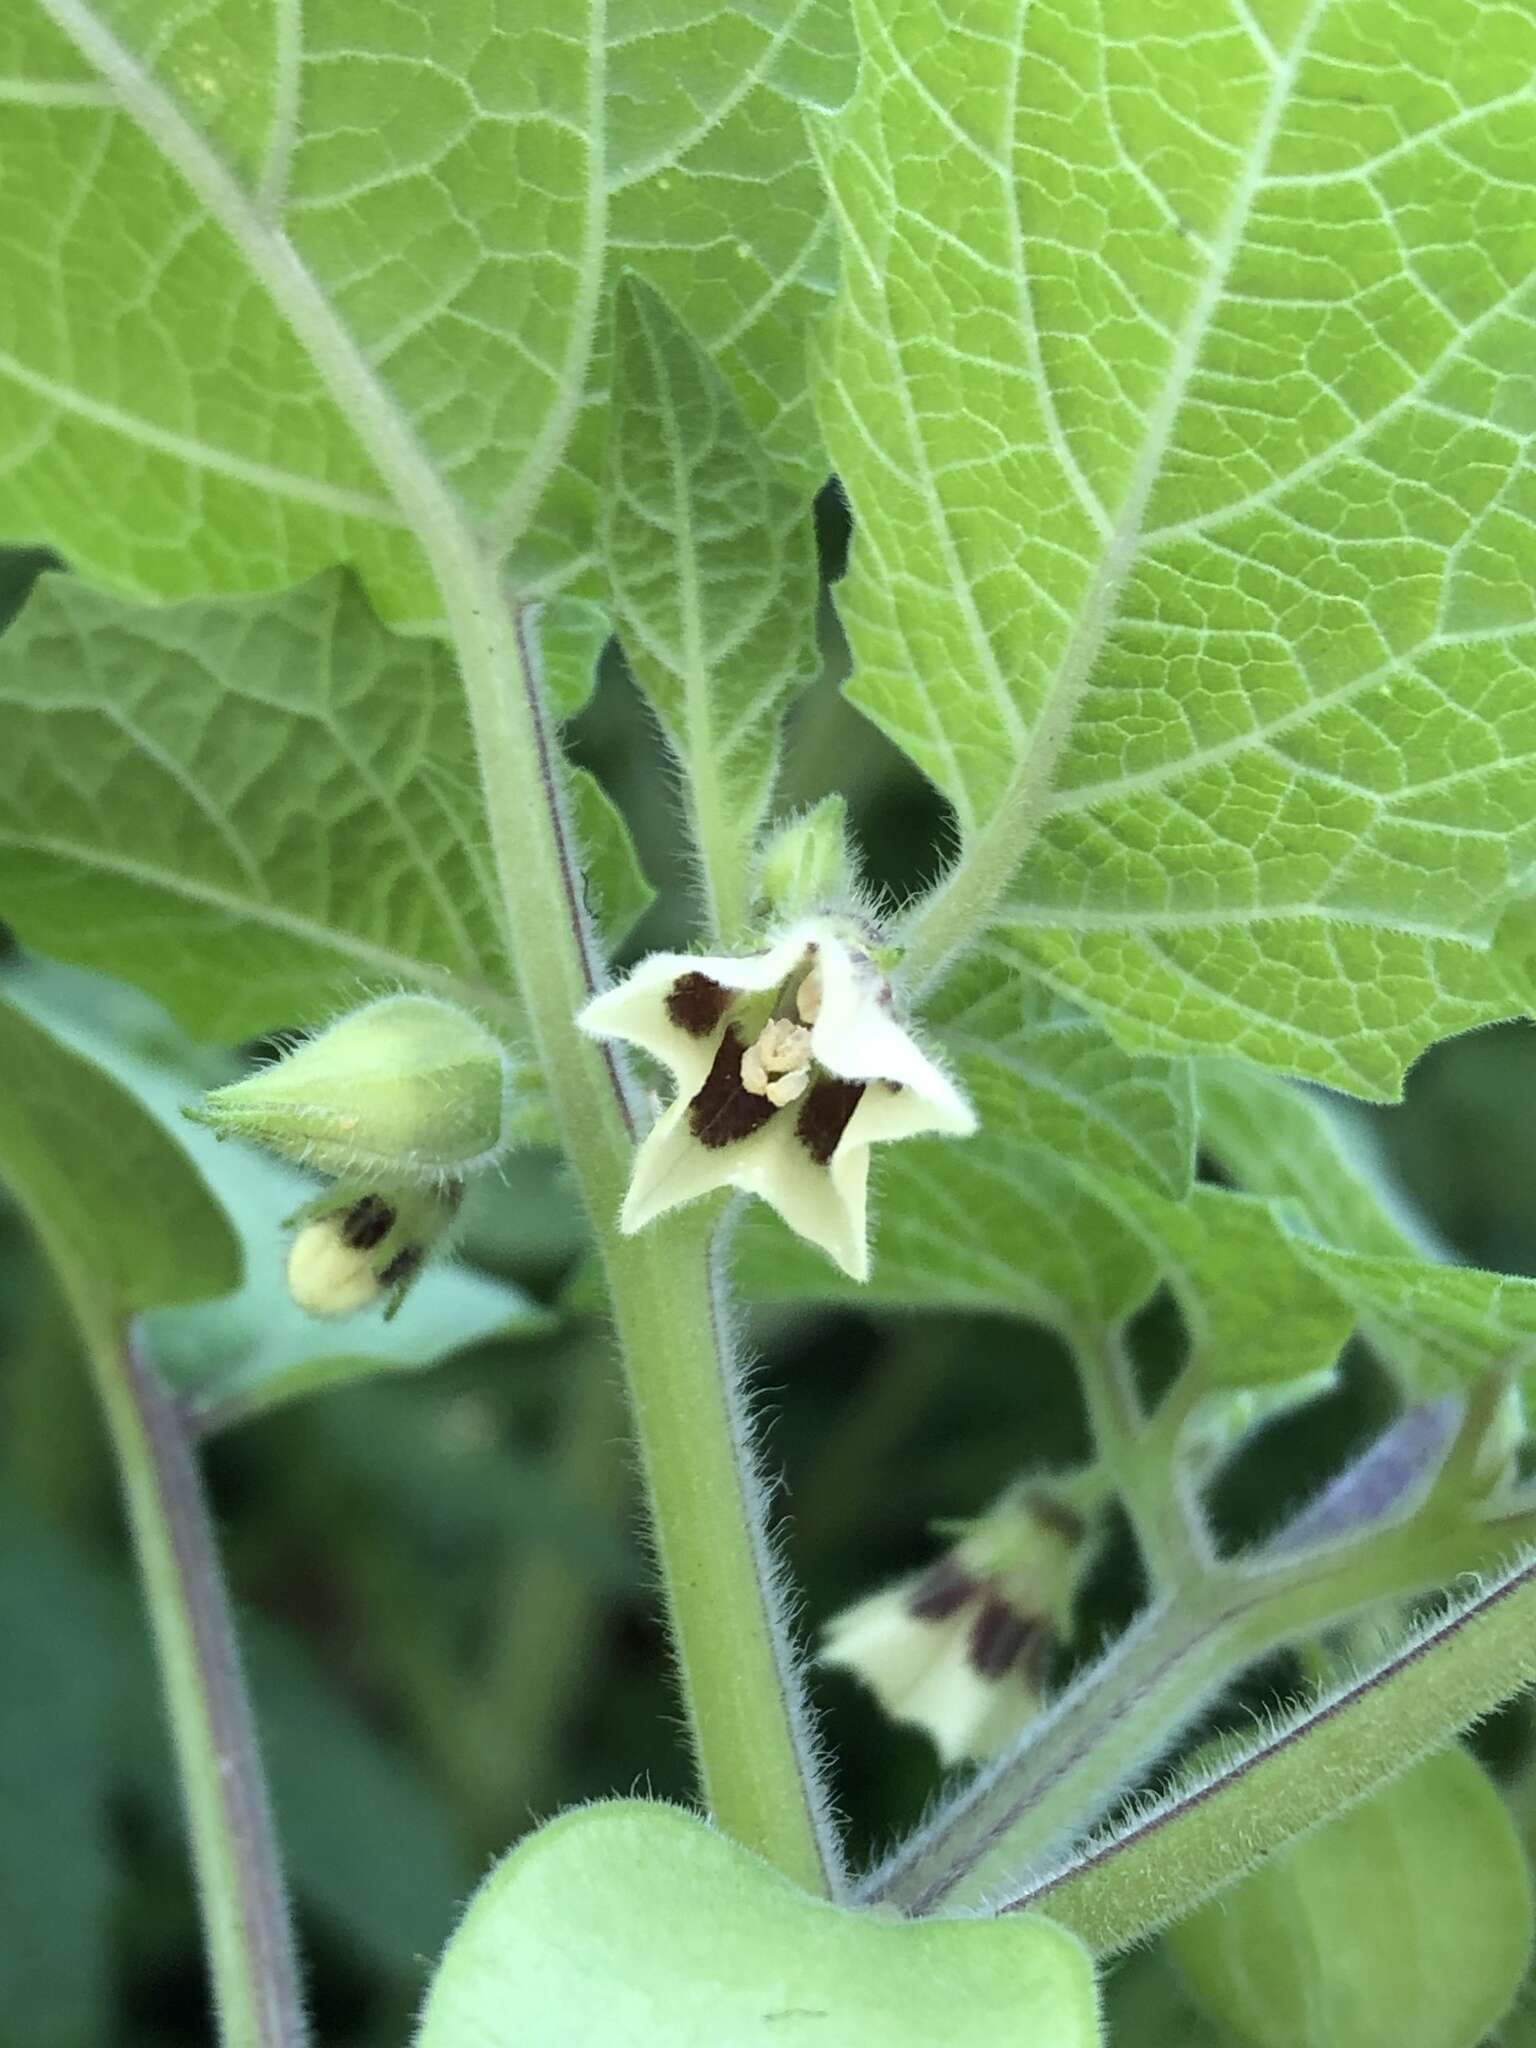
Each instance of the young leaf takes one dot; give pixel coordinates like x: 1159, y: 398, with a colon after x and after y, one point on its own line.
x: 1179, y: 384
x: 277, y: 790
x: 686, y: 1941
x: 119, y: 1207
x: 712, y: 572
x: 618, y: 893
x: 243, y: 249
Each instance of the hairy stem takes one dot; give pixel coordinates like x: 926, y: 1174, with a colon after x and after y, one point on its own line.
x: 234, y: 1852
x: 749, y: 1724
x: 1141, y: 1457
x: 1207, y: 1833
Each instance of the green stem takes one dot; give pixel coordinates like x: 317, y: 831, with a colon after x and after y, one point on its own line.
x: 234, y: 1852
x: 745, y: 1708
x: 1213, y: 1829
x: 712, y: 1543
x: 1125, y: 1713
x: 743, y: 1705
x: 1140, y: 1456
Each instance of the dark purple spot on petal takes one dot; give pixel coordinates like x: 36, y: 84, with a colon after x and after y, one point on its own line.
x: 1038, y: 1661
x: 723, y: 1112
x: 998, y: 1638
x: 367, y: 1223
x: 1056, y: 1516
x: 401, y: 1267
x: 696, y: 1004
x: 825, y: 1109
x: 941, y: 1592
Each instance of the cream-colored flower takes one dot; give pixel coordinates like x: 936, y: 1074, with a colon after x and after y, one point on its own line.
x: 790, y: 1064
x: 945, y: 1652
x: 965, y: 1649
x: 327, y: 1276
x: 355, y: 1248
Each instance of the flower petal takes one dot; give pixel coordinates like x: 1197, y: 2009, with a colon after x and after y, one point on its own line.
x: 857, y: 1036
x: 637, y: 1009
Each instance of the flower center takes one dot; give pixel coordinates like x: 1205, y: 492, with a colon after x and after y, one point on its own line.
x: 777, y: 1063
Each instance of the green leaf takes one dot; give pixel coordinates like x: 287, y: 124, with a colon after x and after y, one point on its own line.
x: 1310, y: 1951
x: 255, y: 808
x: 1294, y: 1145
x: 640, y: 1927
x: 1255, y: 1307
x: 1439, y: 1326
x: 252, y: 1349
x: 712, y: 568
x: 1180, y: 384
x: 245, y: 247
x: 618, y: 893
x: 1435, y: 1324
x: 120, y: 1209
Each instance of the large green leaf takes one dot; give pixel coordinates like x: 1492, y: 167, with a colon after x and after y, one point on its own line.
x: 278, y: 793
x: 712, y: 567
x: 242, y: 244
x: 1180, y: 383
x: 119, y: 1206
x: 640, y: 1927
x: 256, y: 808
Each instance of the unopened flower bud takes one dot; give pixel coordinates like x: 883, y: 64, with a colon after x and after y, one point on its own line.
x: 964, y: 1650
x: 807, y: 865
x: 406, y: 1090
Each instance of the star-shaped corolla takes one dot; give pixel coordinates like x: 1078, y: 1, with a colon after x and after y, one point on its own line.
x: 790, y: 1064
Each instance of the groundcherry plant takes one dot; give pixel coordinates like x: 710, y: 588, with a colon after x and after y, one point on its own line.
x: 372, y: 375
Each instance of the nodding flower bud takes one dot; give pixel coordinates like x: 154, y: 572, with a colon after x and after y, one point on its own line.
x: 354, y: 1249
x: 407, y: 1090
x: 965, y: 1649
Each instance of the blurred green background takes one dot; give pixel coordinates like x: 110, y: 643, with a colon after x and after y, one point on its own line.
x: 447, y: 1613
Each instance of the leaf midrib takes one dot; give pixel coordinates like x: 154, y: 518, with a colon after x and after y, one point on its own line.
x: 977, y: 884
